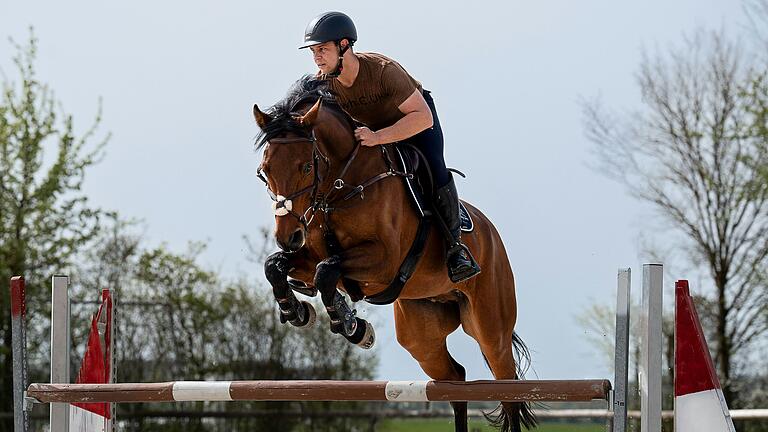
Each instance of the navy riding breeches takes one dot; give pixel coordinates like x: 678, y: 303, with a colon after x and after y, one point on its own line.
x: 430, y: 142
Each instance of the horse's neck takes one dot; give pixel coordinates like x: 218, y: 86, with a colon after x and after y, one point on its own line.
x: 368, y: 163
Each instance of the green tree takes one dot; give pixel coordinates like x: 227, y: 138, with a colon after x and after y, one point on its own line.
x: 44, y: 217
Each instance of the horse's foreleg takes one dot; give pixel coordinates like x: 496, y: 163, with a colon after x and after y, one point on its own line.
x: 299, y: 314
x: 343, y: 318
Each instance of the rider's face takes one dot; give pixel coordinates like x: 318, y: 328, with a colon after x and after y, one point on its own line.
x: 326, y: 56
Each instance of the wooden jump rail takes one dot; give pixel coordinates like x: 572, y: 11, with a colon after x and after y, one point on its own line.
x: 319, y: 390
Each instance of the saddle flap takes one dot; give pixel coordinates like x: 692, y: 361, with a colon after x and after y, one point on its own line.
x: 411, y: 160
x: 408, y: 161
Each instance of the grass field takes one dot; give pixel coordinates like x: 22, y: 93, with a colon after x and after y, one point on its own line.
x: 444, y: 425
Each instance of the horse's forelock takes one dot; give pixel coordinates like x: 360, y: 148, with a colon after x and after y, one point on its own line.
x: 300, y: 97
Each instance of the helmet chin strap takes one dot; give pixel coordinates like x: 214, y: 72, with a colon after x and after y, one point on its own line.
x: 339, y: 67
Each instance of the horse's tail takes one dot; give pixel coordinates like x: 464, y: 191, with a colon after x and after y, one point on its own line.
x: 509, y: 416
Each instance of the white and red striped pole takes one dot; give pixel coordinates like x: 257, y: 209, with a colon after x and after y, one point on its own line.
x: 699, y: 402
x: 326, y: 390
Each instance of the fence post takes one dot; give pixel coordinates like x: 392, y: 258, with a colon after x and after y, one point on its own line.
x: 621, y: 354
x: 59, y: 348
x: 651, y: 348
x: 19, y: 348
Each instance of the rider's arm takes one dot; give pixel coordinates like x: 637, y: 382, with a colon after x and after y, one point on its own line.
x: 418, y: 117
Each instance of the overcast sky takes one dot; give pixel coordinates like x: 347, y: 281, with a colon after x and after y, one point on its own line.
x: 178, y: 79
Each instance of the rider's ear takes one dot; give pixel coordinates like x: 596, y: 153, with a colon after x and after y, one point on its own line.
x: 262, y: 119
x: 309, y: 118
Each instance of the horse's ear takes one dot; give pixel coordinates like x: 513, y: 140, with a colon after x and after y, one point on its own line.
x: 309, y: 118
x: 262, y: 119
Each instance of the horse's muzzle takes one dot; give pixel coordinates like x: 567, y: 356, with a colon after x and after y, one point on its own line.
x: 294, y: 243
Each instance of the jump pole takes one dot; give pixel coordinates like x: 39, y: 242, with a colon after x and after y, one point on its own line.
x: 323, y: 390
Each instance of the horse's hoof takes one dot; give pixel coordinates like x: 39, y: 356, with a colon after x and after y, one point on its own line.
x: 369, y: 338
x: 307, y: 317
x: 364, y: 336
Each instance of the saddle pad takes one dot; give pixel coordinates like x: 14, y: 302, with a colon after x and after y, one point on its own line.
x: 467, y: 225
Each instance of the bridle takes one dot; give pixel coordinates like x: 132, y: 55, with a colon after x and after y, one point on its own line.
x: 283, y: 205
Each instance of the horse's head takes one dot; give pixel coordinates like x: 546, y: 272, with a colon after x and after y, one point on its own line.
x: 303, y: 143
x: 288, y: 170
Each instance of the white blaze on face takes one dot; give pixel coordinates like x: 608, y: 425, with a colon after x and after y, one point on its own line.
x: 282, y: 206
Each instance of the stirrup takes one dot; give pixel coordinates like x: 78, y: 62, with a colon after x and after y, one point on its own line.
x: 467, y: 271
x: 456, y: 247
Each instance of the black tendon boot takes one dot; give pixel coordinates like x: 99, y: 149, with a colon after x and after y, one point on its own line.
x: 461, y: 264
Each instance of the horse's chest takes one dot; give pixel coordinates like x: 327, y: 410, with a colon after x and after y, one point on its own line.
x: 350, y: 237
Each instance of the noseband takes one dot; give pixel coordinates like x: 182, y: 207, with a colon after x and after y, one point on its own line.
x: 283, y: 205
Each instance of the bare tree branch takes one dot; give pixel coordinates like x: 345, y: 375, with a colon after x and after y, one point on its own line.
x: 694, y: 153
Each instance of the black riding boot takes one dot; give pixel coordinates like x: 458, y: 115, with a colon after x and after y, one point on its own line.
x: 461, y: 264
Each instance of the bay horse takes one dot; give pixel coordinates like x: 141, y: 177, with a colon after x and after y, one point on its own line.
x: 311, y: 163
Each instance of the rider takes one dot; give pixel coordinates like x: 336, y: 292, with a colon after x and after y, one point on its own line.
x: 377, y: 92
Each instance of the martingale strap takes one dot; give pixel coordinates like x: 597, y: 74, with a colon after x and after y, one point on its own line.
x: 352, y: 287
x: 392, y: 292
x: 358, y: 190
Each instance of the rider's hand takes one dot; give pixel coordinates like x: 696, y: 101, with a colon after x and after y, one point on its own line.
x: 366, y: 137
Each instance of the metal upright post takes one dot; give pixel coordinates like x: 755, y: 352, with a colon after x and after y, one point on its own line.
x: 60, y: 348
x: 651, y: 348
x: 19, y: 348
x: 621, y: 353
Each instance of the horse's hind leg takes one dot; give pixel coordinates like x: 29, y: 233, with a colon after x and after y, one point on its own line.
x: 490, y: 319
x: 421, y: 327
x: 343, y: 319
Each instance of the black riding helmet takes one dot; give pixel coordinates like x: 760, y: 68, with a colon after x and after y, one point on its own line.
x: 329, y: 26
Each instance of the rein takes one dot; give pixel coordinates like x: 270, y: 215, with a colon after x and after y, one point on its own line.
x: 339, y: 183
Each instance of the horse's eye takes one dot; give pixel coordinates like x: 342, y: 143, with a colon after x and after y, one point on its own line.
x: 306, y: 168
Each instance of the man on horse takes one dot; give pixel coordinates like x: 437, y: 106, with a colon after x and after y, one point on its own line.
x: 377, y: 92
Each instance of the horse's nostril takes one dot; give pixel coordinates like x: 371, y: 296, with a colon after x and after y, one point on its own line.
x: 297, y: 239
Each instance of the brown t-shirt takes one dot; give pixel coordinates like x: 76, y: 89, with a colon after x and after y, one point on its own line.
x: 380, y: 87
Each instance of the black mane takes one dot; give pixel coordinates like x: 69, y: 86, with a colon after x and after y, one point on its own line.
x: 308, y: 89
